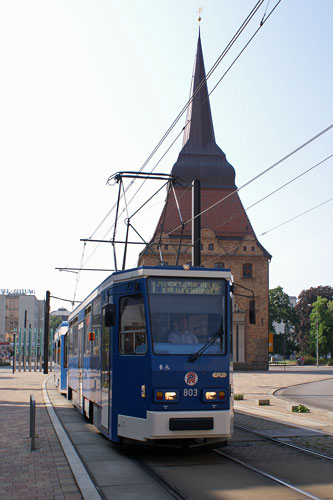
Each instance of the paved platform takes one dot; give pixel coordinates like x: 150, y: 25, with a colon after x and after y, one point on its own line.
x: 56, y: 470
x: 263, y: 385
x: 25, y: 474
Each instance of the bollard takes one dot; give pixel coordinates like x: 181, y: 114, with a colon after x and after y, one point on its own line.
x: 32, y: 421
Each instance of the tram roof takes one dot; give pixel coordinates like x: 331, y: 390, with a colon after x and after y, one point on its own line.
x: 61, y: 330
x: 150, y: 271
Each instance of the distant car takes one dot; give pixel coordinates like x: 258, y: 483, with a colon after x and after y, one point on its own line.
x: 300, y: 361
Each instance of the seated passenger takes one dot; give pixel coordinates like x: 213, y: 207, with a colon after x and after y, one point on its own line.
x: 181, y: 335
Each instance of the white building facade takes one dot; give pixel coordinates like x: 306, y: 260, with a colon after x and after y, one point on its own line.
x: 19, y: 309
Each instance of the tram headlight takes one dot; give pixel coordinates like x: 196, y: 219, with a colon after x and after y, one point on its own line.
x: 166, y: 395
x: 209, y: 395
x: 170, y: 396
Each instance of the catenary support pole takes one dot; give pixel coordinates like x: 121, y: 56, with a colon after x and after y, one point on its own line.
x: 46, y: 332
x: 196, y: 223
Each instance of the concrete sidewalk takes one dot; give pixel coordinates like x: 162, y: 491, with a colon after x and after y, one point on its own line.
x: 24, y: 474
x: 263, y: 385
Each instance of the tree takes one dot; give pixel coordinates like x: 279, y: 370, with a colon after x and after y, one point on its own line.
x: 54, y: 322
x: 280, y: 309
x: 283, y: 344
x: 321, y: 325
x: 303, y: 308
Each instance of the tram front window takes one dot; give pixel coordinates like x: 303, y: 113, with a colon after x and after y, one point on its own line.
x: 186, y: 314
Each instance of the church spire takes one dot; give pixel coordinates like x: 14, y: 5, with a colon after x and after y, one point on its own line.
x: 201, y: 158
x: 199, y: 130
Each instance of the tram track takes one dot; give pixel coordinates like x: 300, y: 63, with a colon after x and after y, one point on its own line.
x: 175, y: 493
x: 284, y: 443
x: 251, y: 461
x: 304, y: 493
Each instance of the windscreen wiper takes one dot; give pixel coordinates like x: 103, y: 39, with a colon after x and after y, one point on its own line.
x: 216, y: 335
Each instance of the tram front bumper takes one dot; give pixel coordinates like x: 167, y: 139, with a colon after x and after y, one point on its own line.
x: 177, y: 425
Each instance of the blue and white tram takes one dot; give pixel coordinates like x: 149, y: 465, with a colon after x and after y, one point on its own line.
x: 149, y: 355
x: 60, y: 356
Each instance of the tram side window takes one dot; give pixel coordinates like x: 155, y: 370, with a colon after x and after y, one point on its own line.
x: 87, y: 330
x: 75, y: 340
x: 96, y: 326
x: 58, y: 356
x: 132, y: 335
x: 66, y: 350
x: 70, y: 342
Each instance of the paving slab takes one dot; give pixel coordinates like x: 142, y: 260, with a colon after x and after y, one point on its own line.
x: 96, y: 452
x: 113, y: 474
x: 25, y: 474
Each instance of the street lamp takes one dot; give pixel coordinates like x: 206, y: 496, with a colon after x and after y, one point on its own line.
x: 317, y: 340
x: 14, y: 351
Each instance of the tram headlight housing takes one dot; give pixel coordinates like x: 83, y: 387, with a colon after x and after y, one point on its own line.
x: 166, y: 396
x: 213, y: 395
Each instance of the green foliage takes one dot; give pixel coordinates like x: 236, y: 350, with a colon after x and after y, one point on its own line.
x: 283, y: 345
x: 321, y: 326
x: 301, y: 409
x: 280, y: 309
x: 238, y: 397
x: 54, y: 322
x: 309, y: 360
x: 303, y: 308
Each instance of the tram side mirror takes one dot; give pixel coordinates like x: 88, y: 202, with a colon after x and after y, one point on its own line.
x: 109, y: 315
x: 252, y: 312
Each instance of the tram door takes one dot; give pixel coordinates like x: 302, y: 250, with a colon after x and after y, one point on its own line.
x: 105, y: 376
x: 80, y: 363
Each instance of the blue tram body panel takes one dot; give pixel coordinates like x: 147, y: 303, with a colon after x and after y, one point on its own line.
x: 60, y: 353
x: 149, y: 354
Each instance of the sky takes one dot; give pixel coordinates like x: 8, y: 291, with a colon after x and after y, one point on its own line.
x: 89, y: 89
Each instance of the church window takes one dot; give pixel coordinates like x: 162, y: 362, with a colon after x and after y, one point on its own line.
x: 219, y: 265
x: 253, y: 249
x: 247, y: 270
x: 210, y: 246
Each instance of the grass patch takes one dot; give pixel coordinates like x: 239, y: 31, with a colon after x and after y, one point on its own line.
x: 301, y: 409
x: 238, y: 397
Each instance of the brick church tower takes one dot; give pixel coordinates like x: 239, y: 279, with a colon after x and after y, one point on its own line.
x: 227, y: 237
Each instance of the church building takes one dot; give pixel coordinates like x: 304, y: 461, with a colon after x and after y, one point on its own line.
x: 227, y: 237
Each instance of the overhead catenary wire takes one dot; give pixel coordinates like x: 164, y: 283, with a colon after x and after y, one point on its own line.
x: 274, y: 191
x: 233, y: 250
x: 185, y: 107
x: 267, y: 196
x: 274, y: 165
x: 217, y: 62
x: 222, y: 55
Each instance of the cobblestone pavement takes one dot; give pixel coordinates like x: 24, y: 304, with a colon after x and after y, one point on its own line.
x: 25, y: 474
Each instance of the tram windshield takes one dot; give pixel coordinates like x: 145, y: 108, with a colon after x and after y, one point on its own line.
x: 186, y: 314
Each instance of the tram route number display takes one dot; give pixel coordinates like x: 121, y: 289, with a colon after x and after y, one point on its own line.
x: 190, y: 393
x: 182, y: 287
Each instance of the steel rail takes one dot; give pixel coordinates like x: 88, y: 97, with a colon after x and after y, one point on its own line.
x: 290, y: 445
x: 306, y: 494
x: 172, y: 490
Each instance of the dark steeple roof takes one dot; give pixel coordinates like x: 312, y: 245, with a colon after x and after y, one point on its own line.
x: 201, y: 158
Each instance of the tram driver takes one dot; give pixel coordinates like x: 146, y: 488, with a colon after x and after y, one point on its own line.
x: 180, y: 333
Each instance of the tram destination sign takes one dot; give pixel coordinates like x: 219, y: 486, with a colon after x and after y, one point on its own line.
x: 16, y: 291
x: 184, y: 287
